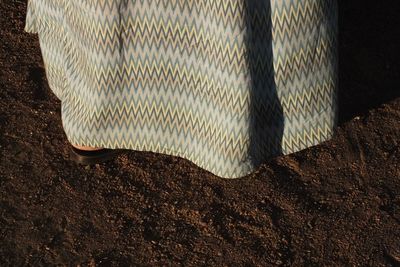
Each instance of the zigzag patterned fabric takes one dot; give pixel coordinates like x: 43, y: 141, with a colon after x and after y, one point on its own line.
x: 226, y: 84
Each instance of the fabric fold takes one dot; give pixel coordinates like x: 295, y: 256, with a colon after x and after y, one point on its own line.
x: 46, y: 18
x: 225, y: 84
x: 31, y: 24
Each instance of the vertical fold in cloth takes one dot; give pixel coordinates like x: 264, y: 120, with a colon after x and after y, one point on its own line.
x: 226, y: 84
x: 30, y: 19
x: 46, y: 18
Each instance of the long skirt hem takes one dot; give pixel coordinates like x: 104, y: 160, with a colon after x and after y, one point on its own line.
x: 225, y: 84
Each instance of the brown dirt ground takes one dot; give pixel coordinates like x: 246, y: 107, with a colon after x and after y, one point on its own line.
x: 335, y: 204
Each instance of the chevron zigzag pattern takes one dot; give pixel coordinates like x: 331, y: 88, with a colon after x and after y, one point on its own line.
x: 226, y: 84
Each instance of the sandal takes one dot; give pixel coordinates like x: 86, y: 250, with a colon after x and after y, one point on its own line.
x: 90, y: 157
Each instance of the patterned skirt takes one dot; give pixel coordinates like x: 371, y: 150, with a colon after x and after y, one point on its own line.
x: 226, y: 84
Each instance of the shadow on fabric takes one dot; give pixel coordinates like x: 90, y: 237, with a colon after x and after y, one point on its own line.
x: 266, y: 114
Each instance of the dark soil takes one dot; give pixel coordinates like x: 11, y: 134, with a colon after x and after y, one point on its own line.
x: 334, y: 204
